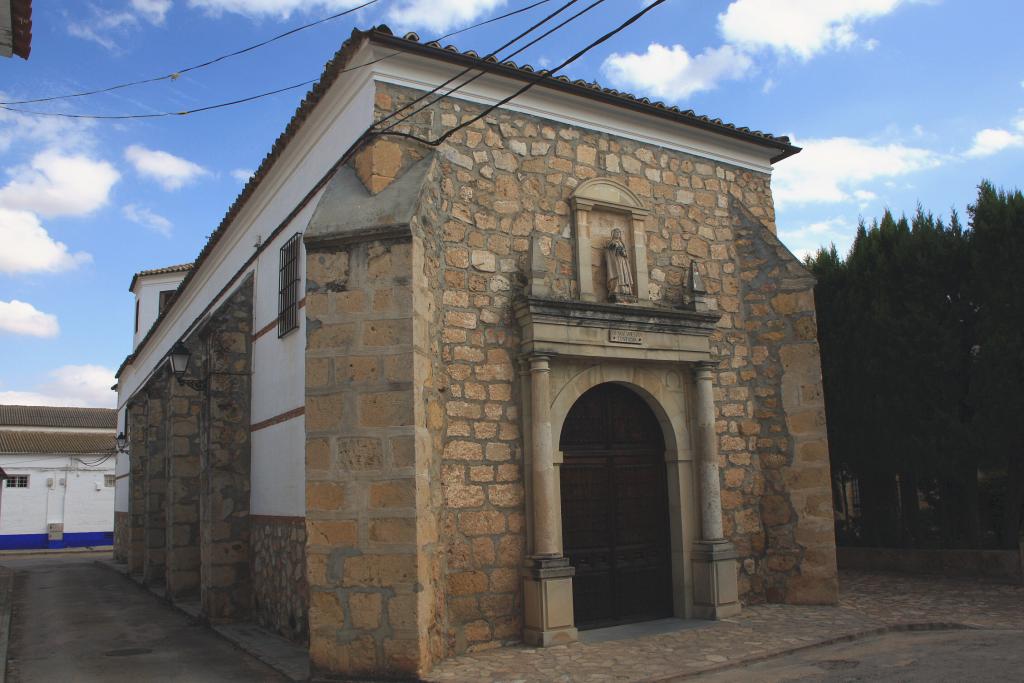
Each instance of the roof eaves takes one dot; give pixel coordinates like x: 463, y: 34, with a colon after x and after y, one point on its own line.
x: 331, y: 71
x: 180, y: 268
x: 21, y: 27
x: 410, y: 43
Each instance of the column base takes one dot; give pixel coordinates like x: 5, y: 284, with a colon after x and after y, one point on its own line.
x: 715, y: 589
x: 547, y: 602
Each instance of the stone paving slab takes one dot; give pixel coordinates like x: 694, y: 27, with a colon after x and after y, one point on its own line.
x: 869, y: 604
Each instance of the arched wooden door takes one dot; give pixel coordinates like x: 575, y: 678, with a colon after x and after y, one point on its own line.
x: 615, y: 509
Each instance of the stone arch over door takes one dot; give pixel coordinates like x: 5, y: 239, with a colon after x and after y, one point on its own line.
x: 666, y: 391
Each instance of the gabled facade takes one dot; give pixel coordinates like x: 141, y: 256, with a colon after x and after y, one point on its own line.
x: 555, y: 372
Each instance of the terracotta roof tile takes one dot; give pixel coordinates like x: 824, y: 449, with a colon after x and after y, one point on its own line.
x: 21, y: 27
x: 47, y: 416
x: 180, y: 268
x: 55, y: 442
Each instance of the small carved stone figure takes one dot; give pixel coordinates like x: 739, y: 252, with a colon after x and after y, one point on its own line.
x: 620, y: 277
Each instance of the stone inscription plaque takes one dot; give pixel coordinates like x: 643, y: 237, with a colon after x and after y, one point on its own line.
x: 625, y: 337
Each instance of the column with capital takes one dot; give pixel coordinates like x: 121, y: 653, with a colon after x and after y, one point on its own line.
x: 547, y: 575
x: 716, y: 593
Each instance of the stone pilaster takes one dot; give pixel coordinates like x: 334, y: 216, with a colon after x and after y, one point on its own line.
x: 182, y: 430
x: 716, y: 593
x: 136, y: 486
x: 226, y: 461
x: 547, y: 576
x: 364, y: 488
x: 155, y: 548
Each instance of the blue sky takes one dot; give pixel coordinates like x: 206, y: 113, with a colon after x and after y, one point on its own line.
x: 895, y: 102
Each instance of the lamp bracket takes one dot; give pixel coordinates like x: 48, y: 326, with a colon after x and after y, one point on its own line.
x: 196, y: 384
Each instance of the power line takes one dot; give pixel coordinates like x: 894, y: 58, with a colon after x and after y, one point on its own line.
x: 535, y: 79
x: 251, y: 98
x: 467, y: 70
x: 174, y: 75
x: 484, y: 71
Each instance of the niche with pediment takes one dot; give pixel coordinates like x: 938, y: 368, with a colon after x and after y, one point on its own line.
x: 603, y: 210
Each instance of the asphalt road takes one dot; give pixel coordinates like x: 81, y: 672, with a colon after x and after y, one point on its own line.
x: 910, y: 656
x: 75, y: 621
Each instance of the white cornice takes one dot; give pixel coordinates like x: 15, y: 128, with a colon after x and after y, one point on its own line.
x: 422, y: 73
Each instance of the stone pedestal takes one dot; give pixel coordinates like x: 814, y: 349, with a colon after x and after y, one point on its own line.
x: 547, y: 602
x: 715, y: 590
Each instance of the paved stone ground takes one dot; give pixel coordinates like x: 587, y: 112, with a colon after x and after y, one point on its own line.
x: 75, y: 621
x: 869, y: 603
x: 923, y: 656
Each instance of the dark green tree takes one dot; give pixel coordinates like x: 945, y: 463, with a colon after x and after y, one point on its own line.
x: 895, y: 334
x: 997, y: 222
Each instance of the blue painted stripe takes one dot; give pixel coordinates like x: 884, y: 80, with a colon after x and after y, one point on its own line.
x: 79, y: 539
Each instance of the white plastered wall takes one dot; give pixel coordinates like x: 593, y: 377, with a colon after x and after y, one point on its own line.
x: 278, y: 383
x: 82, y: 502
x: 147, y: 296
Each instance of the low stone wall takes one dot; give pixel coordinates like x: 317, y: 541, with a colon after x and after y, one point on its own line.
x: 121, y: 527
x: 280, y: 591
x: 1003, y: 565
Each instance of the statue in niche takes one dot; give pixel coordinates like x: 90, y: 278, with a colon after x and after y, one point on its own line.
x: 620, y: 278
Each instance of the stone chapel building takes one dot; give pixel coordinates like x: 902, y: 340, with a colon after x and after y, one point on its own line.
x: 554, y: 373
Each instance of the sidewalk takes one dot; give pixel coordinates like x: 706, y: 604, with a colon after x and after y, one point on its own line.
x: 869, y: 603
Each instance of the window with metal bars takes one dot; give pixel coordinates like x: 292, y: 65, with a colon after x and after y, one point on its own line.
x: 288, y: 286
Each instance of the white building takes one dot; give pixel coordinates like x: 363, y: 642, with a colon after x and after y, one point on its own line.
x: 58, y: 491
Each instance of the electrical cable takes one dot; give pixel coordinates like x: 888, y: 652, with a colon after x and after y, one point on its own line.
x: 462, y: 73
x: 175, y: 75
x: 535, y: 80
x: 483, y: 72
x: 243, y: 100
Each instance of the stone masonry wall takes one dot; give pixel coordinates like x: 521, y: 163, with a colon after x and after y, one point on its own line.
x: 137, y: 486
x: 225, y: 460
x: 775, y: 454
x: 155, y: 483
x: 510, y: 176
x: 182, y: 433
x: 369, y: 537
x: 122, y: 531
x: 280, y: 591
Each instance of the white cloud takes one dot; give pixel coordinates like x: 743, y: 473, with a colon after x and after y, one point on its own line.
x: 865, y: 197
x: 805, y: 240
x: 671, y: 73
x: 52, y: 132
x: 58, y: 184
x: 834, y: 169
x: 28, y: 248
x: 18, y: 317
x: 170, y: 171
x: 102, y: 27
x: 440, y: 15
x: 271, y: 8
x: 799, y: 27
x: 242, y: 175
x: 153, y: 10
x: 992, y: 141
x: 768, y: 86
x: 69, y: 385
x: 140, y: 215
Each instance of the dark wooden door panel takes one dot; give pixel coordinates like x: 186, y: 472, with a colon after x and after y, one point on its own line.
x: 615, y: 509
